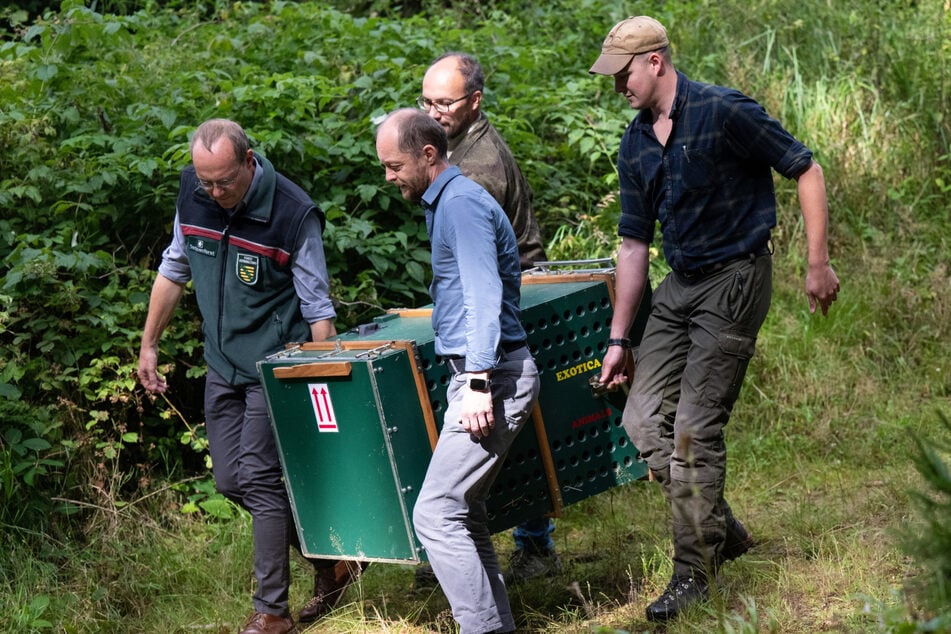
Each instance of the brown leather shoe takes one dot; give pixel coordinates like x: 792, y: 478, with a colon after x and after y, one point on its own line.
x: 329, y: 586
x: 261, y: 623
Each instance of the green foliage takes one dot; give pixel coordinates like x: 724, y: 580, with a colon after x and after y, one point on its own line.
x: 892, y: 617
x: 26, y: 459
x: 204, y: 497
x: 29, y: 618
x: 94, y: 137
x: 930, y: 544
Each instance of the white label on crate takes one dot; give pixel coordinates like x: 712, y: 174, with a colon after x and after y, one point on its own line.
x: 323, y: 407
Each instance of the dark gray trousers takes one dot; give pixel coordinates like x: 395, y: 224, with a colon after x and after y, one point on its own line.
x: 691, y: 362
x: 247, y: 470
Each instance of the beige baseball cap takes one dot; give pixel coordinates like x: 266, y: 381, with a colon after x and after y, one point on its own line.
x: 629, y: 37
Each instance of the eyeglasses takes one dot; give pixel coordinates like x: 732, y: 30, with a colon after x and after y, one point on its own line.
x: 442, y: 106
x: 222, y: 184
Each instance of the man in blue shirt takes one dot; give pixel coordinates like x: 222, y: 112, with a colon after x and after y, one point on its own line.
x: 475, y: 293
x: 452, y: 94
x: 697, y: 159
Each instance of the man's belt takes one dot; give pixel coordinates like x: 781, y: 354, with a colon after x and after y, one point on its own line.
x: 457, y: 362
x: 706, y: 269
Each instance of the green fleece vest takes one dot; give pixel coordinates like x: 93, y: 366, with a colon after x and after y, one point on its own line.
x: 241, y: 271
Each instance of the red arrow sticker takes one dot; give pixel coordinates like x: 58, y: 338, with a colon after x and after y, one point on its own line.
x: 323, y: 407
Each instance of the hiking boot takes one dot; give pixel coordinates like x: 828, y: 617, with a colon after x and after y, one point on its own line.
x: 681, y: 592
x: 424, y: 578
x: 329, y: 586
x: 738, y: 541
x: 526, y: 565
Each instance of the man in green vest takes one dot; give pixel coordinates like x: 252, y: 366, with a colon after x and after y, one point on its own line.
x: 249, y: 240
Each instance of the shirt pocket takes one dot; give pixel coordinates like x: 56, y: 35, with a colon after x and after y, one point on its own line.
x: 698, y: 167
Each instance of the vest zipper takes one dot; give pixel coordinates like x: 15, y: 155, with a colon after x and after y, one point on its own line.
x: 221, y: 284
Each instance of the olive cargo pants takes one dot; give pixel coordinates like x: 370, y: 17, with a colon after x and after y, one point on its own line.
x: 699, y: 339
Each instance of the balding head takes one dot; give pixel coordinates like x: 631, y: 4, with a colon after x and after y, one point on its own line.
x: 413, y: 130
x: 452, y: 92
x: 412, y: 149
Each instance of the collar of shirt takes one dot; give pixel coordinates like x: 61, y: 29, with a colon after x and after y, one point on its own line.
x: 645, y: 118
x: 431, y: 196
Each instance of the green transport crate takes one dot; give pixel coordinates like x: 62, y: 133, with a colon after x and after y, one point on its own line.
x: 356, y: 418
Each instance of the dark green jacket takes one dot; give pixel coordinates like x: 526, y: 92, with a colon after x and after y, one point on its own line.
x: 483, y: 156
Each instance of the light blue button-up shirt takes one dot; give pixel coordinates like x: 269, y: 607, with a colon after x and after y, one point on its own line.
x: 476, y: 273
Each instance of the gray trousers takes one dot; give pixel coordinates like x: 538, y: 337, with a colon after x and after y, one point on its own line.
x: 450, y: 514
x: 691, y: 362
x: 248, y: 471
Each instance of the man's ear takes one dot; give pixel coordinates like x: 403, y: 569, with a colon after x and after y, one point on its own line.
x: 429, y: 152
x: 475, y: 99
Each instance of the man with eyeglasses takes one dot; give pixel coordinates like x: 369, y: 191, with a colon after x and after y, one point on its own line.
x: 698, y: 160
x: 249, y: 240
x: 452, y: 95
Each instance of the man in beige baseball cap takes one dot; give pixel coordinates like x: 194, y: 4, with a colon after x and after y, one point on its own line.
x: 628, y: 38
x: 697, y: 159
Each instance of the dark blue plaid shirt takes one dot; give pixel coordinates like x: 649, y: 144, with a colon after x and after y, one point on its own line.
x: 711, y: 186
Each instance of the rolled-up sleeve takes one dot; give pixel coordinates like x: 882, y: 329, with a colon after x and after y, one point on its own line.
x: 174, y: 264
x: 309, y: 268
x: 753, y: 131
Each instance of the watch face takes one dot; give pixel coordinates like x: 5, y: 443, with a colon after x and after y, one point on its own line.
x: 479, y: 385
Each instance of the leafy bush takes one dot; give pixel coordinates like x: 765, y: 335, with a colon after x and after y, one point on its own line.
x: 930, y: 545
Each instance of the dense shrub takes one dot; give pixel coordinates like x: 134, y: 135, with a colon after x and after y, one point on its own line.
x: 930, y: 543
x: 97, y: 112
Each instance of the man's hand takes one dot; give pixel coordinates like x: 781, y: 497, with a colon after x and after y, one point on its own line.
x: 162, y: 302
x: 613, y: 367
x: 148, y: 374
x: 477, y: 417
x: 822, y: 287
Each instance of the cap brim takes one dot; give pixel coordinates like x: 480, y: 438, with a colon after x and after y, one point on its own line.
x: 610, y: 64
